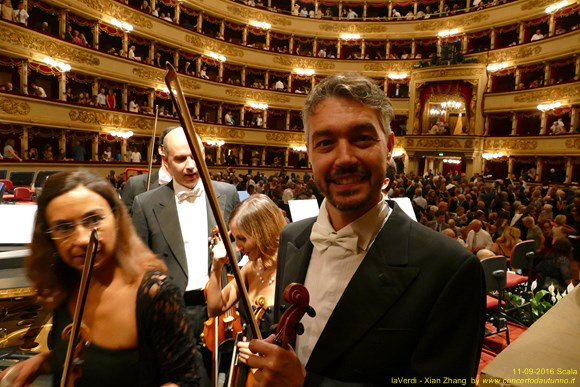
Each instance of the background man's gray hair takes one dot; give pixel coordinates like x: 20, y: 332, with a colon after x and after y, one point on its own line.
x: 354, y: 87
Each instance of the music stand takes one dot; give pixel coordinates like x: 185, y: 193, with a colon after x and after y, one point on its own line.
x: 22, y: 179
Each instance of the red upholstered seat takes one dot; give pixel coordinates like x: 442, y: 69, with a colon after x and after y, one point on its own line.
x: 514, y: 279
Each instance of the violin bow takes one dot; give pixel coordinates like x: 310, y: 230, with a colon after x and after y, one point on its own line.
x: 80, y: 306
x: 178, y: 98
x: 152, y: 149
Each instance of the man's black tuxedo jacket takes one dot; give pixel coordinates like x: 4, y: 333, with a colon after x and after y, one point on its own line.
x: 157, y: 223
x: 415, y: 307
x: 137, y: 185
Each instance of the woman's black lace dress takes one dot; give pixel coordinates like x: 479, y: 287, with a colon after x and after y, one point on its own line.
x: 166, y: 350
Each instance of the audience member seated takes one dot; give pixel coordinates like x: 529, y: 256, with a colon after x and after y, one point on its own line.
x: 506, y: 242
x: 9, y: 152
x: 7, y: 10
x: 20, y: 14
x: 554, y: 268
x: 537, y: 36
x: 229, y: 119
x: 47, y: 153
x: 132, y: 54
x: 203, y: 73
x: 558, y: 127
x: 33, y: 154
x: 37, y: 91
x: 107, y: 154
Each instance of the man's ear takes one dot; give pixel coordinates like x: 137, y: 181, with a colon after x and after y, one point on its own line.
x: 390, y: 145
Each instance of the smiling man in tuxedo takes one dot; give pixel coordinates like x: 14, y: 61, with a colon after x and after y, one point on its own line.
x: 393, y: 299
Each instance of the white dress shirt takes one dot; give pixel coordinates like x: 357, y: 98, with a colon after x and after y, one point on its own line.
x: 330, y: 271
x: 192, y: 214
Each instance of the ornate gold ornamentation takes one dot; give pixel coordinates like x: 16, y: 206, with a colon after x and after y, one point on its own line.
x: 8, y: 105
x: 549, y: 94
x: 189, y: 83
x: 513, y: 53
x: 388, y: 67
x: 262, y: 96
x: 221, y: 132
x: 214, y: 45
x: 454, y: 22
x: 438, y: 143
x: 286, y: 137
x: 352, y: 28
x: 303, y: 63
x: 468, y: 144
x: 449, y: 72
x: 573, y: 143
x: 111, y: 119
x: 149, y: 74
x: 119, y: 12
x: 410, y: 142
x: 47, y: 46
x: 250, y: 13
x: 511, y: 144
x: 531, y: 4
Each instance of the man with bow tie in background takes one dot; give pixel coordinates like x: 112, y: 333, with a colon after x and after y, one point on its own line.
x: 395, y: 302
x: 175, y: 221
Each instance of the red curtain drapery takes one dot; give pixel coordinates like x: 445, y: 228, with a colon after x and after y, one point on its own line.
x: 189, y: 11
x: 507, y: 28
x: 80, y: 78
x: 111, y: 30
x: 538, y: 21
x: 188, y: 56
x: 139, y: 40
x: 234, y: 26
x: 44, y: 69
x: 567, y: 11
x: 81, y: 21
x: 47, y: 8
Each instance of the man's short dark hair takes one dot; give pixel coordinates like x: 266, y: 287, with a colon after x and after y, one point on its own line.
x: 353, y: 87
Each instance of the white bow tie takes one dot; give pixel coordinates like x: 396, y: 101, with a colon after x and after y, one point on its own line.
x: 322, y: 239
x: 189, y: 195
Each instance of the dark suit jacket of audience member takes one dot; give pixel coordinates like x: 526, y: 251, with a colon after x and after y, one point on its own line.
x: 157, y: 223
x: 414, y: 307
x: 432, y: 224
x: 137, y: 185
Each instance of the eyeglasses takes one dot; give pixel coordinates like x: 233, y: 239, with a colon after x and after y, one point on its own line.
x: 66, y: 229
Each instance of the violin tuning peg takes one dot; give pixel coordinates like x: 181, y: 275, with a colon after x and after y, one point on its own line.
x: 310, y: 311
x: 299, y: 329
x: 283, y: 308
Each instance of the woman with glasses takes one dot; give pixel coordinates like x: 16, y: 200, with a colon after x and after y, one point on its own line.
x: 135, y: 315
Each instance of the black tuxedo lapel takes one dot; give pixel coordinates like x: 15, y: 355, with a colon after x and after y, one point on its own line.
x: 296, y: 261
x: 166, y: 214
x: 376, y: 285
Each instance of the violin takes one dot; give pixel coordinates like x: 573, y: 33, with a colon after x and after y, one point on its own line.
x: 289, y: 325
x: 228, y: 323
x: 77, y: 333
x: 286, y: 330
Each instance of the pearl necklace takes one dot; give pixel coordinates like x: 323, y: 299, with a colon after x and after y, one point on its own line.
x: 260, y: 271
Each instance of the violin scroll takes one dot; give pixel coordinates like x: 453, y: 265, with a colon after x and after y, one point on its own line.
x: 289, y: 325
